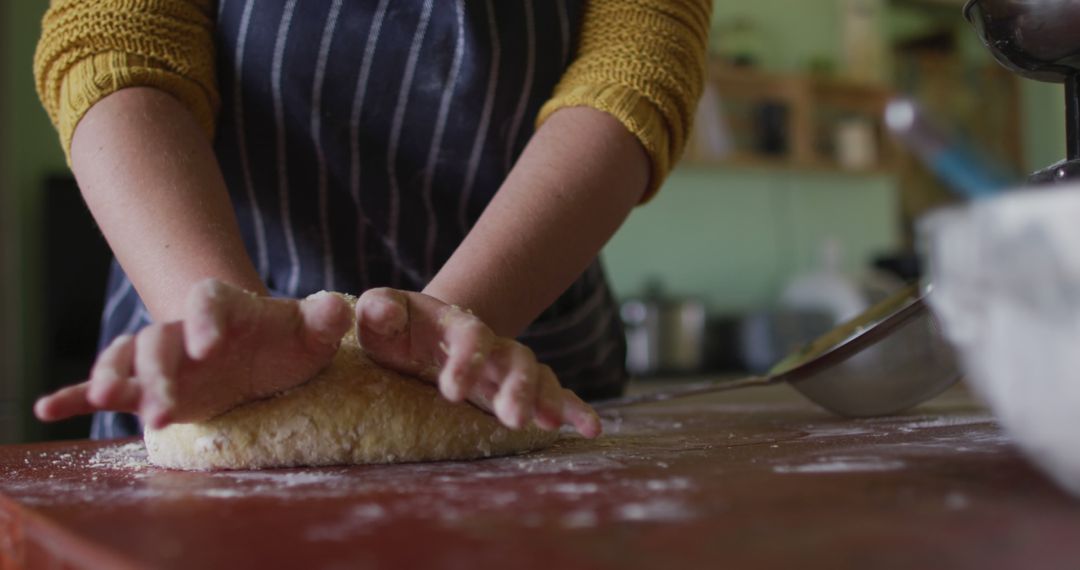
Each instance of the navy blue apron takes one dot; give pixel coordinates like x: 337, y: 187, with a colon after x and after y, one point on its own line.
x: 360, y: 141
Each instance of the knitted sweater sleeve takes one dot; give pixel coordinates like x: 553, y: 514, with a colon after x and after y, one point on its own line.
x: 643, y: 62
x: 92, y: 48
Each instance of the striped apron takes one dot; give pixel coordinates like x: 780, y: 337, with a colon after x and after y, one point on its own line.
x: 360, y: 141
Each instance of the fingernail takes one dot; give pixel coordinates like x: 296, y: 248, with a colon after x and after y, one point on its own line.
x: 40, y: 408
x: 384, y: 317
x: 593, y: 428
x: 204, y: 341
x: 451, y: 388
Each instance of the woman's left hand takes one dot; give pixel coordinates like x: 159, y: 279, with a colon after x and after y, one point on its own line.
x: 420, y: 335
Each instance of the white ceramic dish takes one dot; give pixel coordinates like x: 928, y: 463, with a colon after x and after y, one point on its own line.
x: 1006, y: 275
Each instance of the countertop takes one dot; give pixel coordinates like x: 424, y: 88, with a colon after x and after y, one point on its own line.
x: 752, y: 479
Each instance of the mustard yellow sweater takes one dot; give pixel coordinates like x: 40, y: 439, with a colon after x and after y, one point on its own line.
x: 642, y: 61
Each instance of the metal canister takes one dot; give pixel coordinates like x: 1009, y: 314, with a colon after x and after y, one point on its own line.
x: 641, y: 317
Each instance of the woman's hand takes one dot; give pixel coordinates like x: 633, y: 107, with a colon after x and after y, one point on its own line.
x: 231, y: 347
x: 444, y: 344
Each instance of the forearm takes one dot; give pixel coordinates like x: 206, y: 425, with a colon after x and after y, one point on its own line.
x: 152, y: 182
x: 572, y: 187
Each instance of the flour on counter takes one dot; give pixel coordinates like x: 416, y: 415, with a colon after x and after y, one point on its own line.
x: 956, y: 501
x: 946, y: 421
x: 579, y: 519
x: 127, y: 456
x: 843, y: 465
x: 354, y: 522
x: 657, y: 510
x: 572, y: 488
x: 673, y: 484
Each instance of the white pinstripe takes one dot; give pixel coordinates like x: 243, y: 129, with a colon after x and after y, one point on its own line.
x: 220, y: 8
x: 293, y: 282
x: 391, y: 237
x: 526, y: 88
x: 137, y: 315
x: 354, y: 132
x: 262, y: 257
x: 564, y: 29
x: 485, y: 119
x: 316, y: 139
x: 115, y: 299
x: 436, y: 140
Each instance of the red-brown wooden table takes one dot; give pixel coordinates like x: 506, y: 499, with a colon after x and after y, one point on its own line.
x: 751, y: 480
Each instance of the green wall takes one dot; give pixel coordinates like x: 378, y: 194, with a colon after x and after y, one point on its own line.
x: 1044, y: 123
x: 735, y: 237
x: 790, y: 33
x: 32, y: 149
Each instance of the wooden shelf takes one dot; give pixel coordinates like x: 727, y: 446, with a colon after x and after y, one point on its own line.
x: 808, y: 113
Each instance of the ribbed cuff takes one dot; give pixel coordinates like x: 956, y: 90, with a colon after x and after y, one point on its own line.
x: 639, y: 115
x: 100, y: 75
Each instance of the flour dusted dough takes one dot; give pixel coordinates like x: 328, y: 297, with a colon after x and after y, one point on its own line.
x: 353, y: 412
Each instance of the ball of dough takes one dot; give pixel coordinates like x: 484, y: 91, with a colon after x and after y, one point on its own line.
x: 353, y: 412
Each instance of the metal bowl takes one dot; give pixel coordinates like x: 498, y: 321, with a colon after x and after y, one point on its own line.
x: 1037, y: 39
x: 890, y: 362
x: 888, y: 359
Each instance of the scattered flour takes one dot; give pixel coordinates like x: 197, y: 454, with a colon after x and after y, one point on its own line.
x: 673, y: 484
x: 956, y: 501
x: 843, y: 465
x: 574, y: 488
x: 358, y: 519
x: 127, y: 456
x: 221, y: 493
x: 836, y: 431
x: 945, y: 421
x: 657, y: 510
x: 282, y: 479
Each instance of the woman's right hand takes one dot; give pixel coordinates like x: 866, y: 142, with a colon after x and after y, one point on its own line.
x: 231, y: 347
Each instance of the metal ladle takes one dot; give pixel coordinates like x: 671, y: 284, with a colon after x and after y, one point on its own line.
x: 1038, y: 39
x: 886, y: 360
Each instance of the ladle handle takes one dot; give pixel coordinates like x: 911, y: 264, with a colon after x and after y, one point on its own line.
x: 966, y: 171
x: 684, y: 391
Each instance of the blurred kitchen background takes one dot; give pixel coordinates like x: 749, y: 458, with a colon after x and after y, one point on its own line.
x: 791, y: 210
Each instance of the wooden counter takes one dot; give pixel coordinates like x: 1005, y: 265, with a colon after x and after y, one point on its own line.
x: 752, y: 480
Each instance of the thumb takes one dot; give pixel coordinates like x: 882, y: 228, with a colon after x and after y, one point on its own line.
x: 326, y: 319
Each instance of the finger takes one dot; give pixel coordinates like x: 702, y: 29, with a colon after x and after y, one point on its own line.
x: 327, y: 317
x: 212, y: 308
x: 158, y: 352
x: 64, y: 403
x: 382, y: 312
x: 110, y: 378
x: 516, y: 400
x: 483, y: 394
x: 580, y: 415
x: 467, y: 341
x: 549, y: 401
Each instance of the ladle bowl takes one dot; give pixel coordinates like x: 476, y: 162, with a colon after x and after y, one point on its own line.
x: 888, y: 359
x: 1037, y: 39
